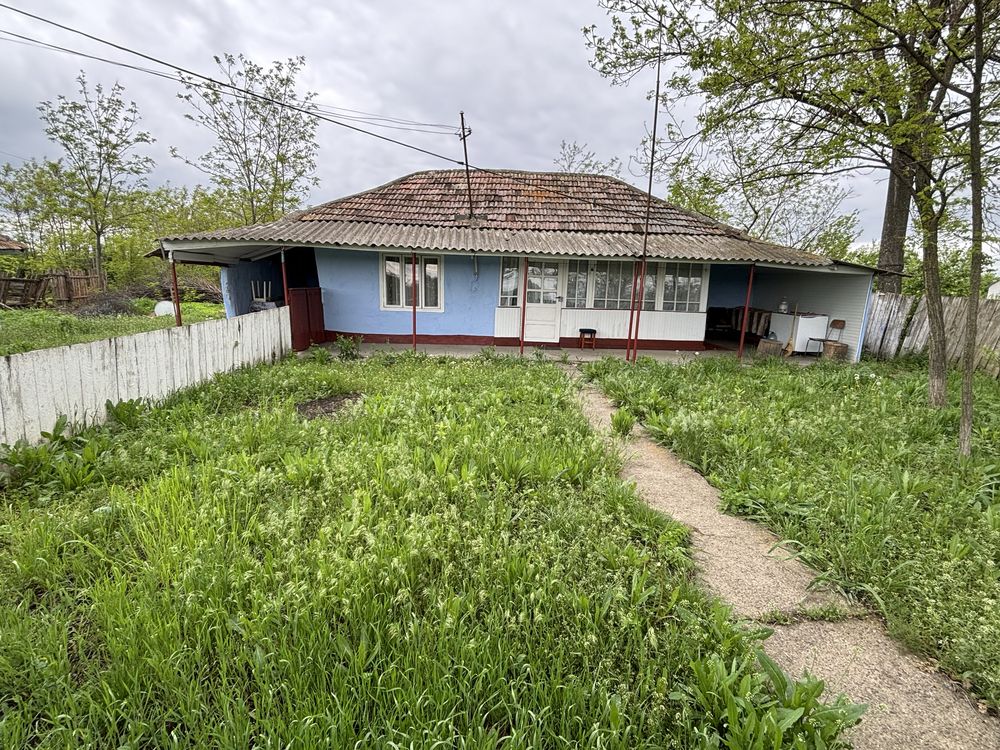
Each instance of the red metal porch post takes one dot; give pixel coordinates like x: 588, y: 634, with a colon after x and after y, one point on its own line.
x: 746, y: 312
x: 524, y: 300
x: 641, y: 295
x: 413, y: 267
x: 284, y: 278
x: 174, y: 290
x: 631, y: 312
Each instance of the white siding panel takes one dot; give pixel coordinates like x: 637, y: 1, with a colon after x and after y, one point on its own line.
x: 840, y: 294
x: 655, y: 325
x: 611, y: 324
x: 507, y: 323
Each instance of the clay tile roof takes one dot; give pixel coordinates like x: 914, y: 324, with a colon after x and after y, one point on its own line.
x: 548, y: 201
x: 551, y: 213
x: 11, y: 245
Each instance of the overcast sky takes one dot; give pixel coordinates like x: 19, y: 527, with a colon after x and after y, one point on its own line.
x: 519, y: 69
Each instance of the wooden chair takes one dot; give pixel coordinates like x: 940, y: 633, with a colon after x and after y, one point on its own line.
x: 833, y: 333
x: 260, y: 291
x: 588, y: 334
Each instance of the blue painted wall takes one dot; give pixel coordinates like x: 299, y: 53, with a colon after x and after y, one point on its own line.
x: 235, y: 282
x: 350, y: 283
x: 727, y: 286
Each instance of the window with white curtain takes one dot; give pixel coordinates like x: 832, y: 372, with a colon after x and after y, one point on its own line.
x: 398, y: 281
x: 612, y: 284
x: 682, y: 287
x: 576, y: 283
x: 510, y: 282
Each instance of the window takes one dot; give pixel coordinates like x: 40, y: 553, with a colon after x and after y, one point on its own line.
x: 576, y: 284
x: 649, y: 286
x: 613, y: 284
x: 398, y: 277
x: 543, y: 282
x: 510, y: 282
x: 682, y: 287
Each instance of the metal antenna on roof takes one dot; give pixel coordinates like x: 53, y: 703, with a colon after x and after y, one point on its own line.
x: 639, y: 279
x: 464, y: 134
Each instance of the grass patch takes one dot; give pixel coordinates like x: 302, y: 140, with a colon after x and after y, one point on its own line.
x: 851, y: 464
x: 26, y: 330
x: 452, y: 561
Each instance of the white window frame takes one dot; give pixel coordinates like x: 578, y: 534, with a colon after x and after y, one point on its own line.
x: 405, y: 258
x: 702, y: 292
x: 659, y: 267
x: 520, y: 282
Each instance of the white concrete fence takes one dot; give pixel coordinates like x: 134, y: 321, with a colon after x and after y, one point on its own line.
x: 37, y: 387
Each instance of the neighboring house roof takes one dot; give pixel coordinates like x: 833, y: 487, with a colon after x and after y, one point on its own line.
x: 513, y: 212
x: 10, y: 245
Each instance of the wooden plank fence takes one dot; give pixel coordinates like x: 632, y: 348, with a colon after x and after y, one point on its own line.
x: 37, y: 387
x: 17, y: 291
x: 895, y: 328
x: 63, y: 287
x: 886, y: 322
x: 70, y: 287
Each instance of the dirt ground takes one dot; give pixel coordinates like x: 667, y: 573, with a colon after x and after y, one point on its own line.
x: 327, y: 407
x: 910, y: 705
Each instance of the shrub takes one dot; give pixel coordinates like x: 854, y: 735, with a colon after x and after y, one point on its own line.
x: 349, y: 347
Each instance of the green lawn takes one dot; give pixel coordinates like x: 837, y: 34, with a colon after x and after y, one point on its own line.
x: 25, y: 330
x: 851, y: 466
x: 451, y: 561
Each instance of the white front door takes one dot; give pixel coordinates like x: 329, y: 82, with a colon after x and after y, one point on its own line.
x: 542, y: 303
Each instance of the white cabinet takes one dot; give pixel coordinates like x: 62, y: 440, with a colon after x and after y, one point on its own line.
x: 805, y: 327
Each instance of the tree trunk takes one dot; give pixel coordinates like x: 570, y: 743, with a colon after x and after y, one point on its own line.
x: 99, y: 256
x: 895, y: 221
x: 937, y: 366
x: 976, y: 259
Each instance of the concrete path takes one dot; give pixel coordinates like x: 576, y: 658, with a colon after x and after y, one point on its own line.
x: 910, y: 705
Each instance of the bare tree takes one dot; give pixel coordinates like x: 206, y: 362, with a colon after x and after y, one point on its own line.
x: 265, y: 146
x: 99, y: 134
x: 576, y: 157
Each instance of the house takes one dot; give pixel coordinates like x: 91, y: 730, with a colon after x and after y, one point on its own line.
x: 541, y: 256
x: 10, y: 246
x: 994, y: 291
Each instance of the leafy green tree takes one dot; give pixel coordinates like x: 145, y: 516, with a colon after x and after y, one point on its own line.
x: 828, y: 86
x: 37, y: 208
x: 954, y: 261
x: 801, y: 211
x: 264, y: 153
x: 99, y: 134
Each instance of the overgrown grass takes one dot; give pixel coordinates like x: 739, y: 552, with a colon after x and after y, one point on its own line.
x: 451, y: 561
x: 850, y: 464
x: 25, y: 330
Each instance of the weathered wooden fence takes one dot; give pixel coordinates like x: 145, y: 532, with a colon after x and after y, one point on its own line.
x: 37, y: 387
x: 895, y: 327
x: 63, y: 287
x: 70, y: 287
x: 886, y: 322
x: 19, y: 291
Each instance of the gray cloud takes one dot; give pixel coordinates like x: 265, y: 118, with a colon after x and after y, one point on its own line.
x: 519, y: 69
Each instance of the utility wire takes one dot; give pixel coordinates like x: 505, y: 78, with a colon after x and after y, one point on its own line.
x: 373, y: 121
x: 303, y: 110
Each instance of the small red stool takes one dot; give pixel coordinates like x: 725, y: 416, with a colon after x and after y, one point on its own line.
x: 588, y: 334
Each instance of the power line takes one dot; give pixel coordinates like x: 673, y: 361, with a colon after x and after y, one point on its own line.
x: 299, y: 108
x: 374, y: 120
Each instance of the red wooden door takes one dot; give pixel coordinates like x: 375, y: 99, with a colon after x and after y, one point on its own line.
x: 306, y: 313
